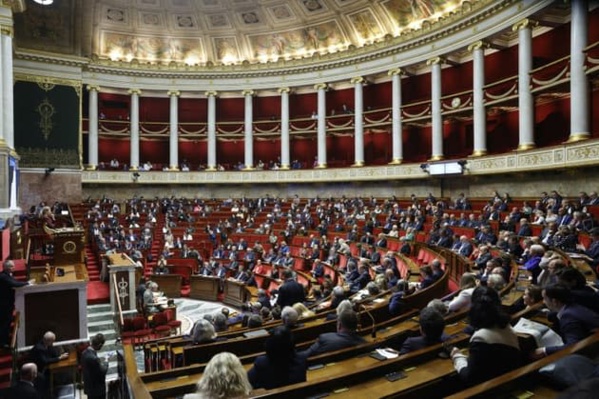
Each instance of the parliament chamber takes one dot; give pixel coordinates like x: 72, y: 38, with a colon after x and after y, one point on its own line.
x: 211, y: 147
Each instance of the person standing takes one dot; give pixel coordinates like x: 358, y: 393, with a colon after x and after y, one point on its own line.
x: 290, y: 291
x: 24, y: 388
x: 94, y: 369
x: 7, y: 300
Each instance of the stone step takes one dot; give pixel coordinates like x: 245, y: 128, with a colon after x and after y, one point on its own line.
x: 98, y: 316
x: 98, y: 308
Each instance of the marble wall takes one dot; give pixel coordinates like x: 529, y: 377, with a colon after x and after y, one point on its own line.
x: 60, y: 185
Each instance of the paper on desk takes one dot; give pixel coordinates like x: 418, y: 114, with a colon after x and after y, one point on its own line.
x: 387, y: 353
x: 543, y: 335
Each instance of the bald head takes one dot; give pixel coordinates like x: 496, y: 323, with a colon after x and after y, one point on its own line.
x: 49, y: 338
x: 28, y: 372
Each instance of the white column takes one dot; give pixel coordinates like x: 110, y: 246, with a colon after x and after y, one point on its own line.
x: 579, y: 85
x: 134, y: 117
x: 249, y: 127
x: 13, y: 189
x: 92, y: 137
x: 211, y: 130
x: 396, y: 124
x: 174, y: 129
x: 478, y: 83
x: 285, y: 127
x: 525, y: 98
x: 322, y: 124
x: 358, y: 121
x: 7, y: 87
x: 437, y: 117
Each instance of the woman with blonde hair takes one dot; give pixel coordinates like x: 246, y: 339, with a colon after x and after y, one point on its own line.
x: 302, y: 310
x: 223, y: 378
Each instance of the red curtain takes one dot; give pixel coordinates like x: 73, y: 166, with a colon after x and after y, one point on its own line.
x: 118, y: 148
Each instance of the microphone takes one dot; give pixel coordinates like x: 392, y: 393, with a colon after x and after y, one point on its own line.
x: 373, y: 328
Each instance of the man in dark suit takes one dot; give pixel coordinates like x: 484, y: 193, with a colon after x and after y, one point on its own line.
x: 345, y: 337
x: 94, y: 369
x: 431, y: 330
x: 24, y: 388
x: 44, y: 353
x: 290, y: 291
x: 576, y: 322
x: 7, y: 300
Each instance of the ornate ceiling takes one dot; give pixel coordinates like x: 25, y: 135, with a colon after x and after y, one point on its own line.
x: 216, y: 32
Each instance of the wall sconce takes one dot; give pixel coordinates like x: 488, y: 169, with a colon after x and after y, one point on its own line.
x: 48, y: 171
x: 135, y: 176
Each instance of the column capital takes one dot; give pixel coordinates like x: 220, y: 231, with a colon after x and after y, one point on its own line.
x: 248, y: 92
x: 396, y: 71
x: 357, y: 79
x: 435, y: 61
x: 7, y: 30
x: 134, y: 91
x: 479, y: 45
x: 321, y: 86
x: 211, y: 93
x: 93, y: 88
x: 284, y: 90
x: 175, y: 93
x: 524, y: 24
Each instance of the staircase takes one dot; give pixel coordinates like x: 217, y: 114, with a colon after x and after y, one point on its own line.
x: 100, y: 320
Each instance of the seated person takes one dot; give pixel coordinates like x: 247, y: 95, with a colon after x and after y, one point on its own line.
x: 203, y: 332
x: 345, y: 337
x: 463, y: 299
x: 152, y: 297
x: 431, y: 330
x: 426, y: 272
x: 575, y: 322
x: 281, y: 365
x: 494, y: 347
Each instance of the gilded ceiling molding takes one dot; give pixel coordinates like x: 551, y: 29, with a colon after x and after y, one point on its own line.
x: 211, y: 93
x: 134, y: 91
x: 321, y: 86
x: 356, y: 55
x: 357, y: 79
x: 284, y: 90
x: 93, y: 88
x: 46, y: 80
x: 175, y: 93
x: 248, y: 92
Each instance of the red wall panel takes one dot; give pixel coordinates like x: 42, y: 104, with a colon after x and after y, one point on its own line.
x: 552, y: 122
x: 229, y: 152
x: 193, y: 110
x: 304, y: 150
x: 455, y: 79
x: 267, y: 107
x: 109, y: 148
x: 337, y: 98
x: 302, y: 105
x: 230, y: 109
x: 154, y: 109
x: 194, y: 152
x: 155, y: 151
x: 267, y: 150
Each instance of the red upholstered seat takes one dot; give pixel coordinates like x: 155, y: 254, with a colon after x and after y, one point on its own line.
x: 173, y: 323
x: 160, y: 325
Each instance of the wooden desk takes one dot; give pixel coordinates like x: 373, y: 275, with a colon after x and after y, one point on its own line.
x: 170, y: 284
x: 204, y: 288
x: 68, y: 364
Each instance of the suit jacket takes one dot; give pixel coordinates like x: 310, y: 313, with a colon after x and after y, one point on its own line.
x: 333, y: 341
x: 415, y: 343
x: 23, y: 390
x: 576, y: 322
x: 42, y: 356
x: 7, y: 294
x: 290, y: 292
x: 94, y: 373
x: 269, y: 375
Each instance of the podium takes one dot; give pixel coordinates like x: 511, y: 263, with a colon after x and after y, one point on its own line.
x: 69, y: 245
x: 235, y: 293
x: 60, y: 307
x: 169, y: 284
x: 204, y: 288
x: 123, y: 283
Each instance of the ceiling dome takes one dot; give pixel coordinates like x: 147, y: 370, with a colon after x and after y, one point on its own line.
x: 224, y: 32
